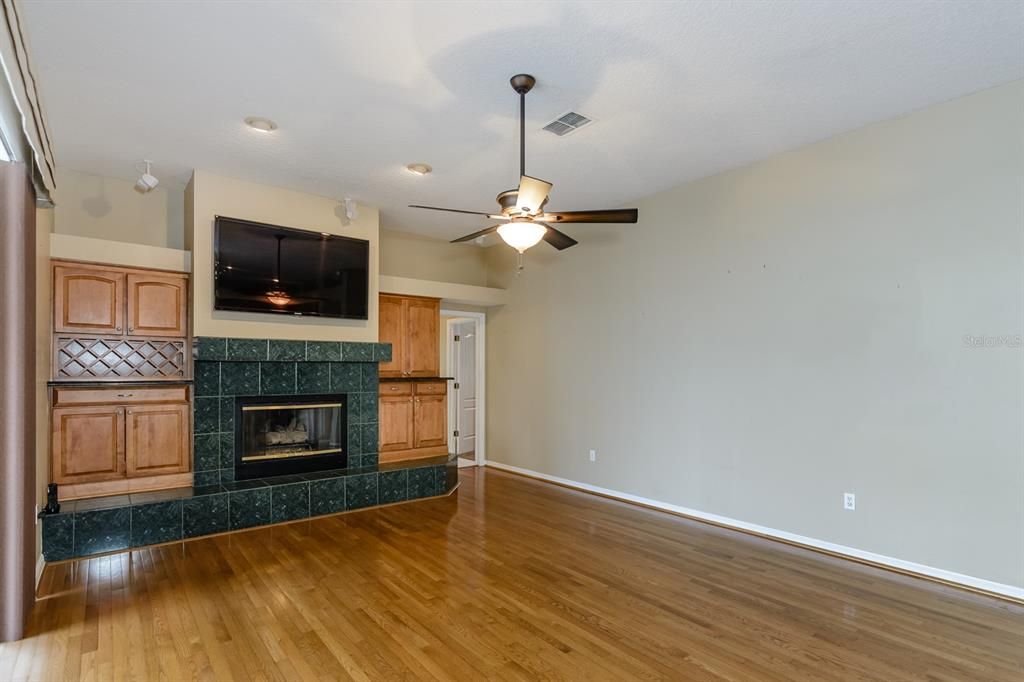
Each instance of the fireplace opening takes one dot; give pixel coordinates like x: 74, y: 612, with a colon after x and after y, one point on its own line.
x: 277, y: 435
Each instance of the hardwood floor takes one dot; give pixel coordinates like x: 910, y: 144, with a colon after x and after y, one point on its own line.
x: 508, y: 579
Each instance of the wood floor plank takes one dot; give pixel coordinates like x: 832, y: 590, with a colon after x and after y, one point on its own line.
x: 509, y: 579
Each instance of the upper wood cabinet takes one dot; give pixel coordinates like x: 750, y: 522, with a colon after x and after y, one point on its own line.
x: 411, y: 324
x: 119, y: 301
x: 113, y: 323
x: 157, y: 304
x: 392, y: 330
x: 89, y: 300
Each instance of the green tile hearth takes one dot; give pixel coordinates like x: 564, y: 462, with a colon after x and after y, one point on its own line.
x: 88, y: 527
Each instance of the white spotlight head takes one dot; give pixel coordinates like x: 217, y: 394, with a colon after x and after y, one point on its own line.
x: 147, y: 182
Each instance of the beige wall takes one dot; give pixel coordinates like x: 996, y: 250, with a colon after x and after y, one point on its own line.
x: 409, y: 255
x: 108, y: 208
x: 767, y: 339
x: 73, y: 247
x: 210, y: 195
x: 44, y: 224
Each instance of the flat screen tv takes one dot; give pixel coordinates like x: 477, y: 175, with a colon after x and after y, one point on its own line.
x: 270, y: 269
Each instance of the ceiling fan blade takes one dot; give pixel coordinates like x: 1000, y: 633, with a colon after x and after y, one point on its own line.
x: 470, y: 237
x: 449, y: 210
x: 459, y: 210
x: 619, y: 215
x: 559, y: 240
x: 532, y: 194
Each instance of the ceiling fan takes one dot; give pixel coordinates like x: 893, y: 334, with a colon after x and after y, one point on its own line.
x: 525, y: 222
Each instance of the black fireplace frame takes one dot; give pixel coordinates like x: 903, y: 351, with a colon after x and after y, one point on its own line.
x: 295, y: 465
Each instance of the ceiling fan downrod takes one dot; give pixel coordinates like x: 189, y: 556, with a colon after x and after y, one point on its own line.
x: 522, y: 83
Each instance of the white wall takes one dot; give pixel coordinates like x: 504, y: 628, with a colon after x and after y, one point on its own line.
x: 209, y: 195
x: 766, y: 339
x: 109, y: 208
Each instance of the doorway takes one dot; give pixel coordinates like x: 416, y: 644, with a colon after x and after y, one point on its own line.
x: 464, y: 360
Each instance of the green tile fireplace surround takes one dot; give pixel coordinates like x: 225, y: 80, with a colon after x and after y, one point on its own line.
x: 225, y: 368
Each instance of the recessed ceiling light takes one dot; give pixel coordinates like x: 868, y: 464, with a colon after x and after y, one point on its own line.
x: 264, y: 125
x: 418, y: 168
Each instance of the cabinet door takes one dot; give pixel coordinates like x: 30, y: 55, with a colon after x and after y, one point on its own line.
x: 430, y: 421
x: 157, y: 439
x: 88, y: 444
x: 157, y: 305
x: 392, y: 330
x: 88, y: 300
x: 423, y: 319
x: 396, y: 422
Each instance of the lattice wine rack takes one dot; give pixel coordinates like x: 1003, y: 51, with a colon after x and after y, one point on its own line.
x: 86, y: 359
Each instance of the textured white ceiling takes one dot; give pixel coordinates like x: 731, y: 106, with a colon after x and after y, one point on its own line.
x: 678, y: 90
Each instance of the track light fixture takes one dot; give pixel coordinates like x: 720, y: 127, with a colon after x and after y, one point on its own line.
x: 147, y: 182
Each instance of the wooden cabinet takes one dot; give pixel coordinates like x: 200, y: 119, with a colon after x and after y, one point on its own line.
x: 423, y: 318
x: 411, y: 324
x: 413, y: 420
x: 396, y: 423
x: 391, y: 317
x: 119, y: 324
x: 89, y: 300
x: 88, y: 444
x: 156, y: 440
x: 119, y: 301
x: 430, y: 417
x: 157, y: 304
x: 120, y: 439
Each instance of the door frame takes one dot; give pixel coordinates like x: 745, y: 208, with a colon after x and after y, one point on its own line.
x: 481, y: 383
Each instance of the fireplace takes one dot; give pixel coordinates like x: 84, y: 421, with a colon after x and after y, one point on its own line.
x: 277, y: 435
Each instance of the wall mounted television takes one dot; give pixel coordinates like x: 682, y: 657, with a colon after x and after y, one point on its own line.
x: 272, y: 269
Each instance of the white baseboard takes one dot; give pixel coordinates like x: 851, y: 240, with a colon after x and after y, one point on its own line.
x: 959, y: 579
x: 40, y: 565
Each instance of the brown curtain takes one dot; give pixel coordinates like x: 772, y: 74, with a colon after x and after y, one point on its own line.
x: 17, y: 398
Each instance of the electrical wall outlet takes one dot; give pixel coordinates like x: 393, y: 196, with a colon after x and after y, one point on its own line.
x: 593, y: 455
x: 849, y: 501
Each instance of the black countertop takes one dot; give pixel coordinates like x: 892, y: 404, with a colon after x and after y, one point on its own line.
x: 384, y: 380
x: 118, y: 383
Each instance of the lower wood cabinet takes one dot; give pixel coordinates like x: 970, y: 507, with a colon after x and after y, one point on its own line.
x: 156, y: 440
x: 413, y: 420
x: 88, y: 444
x: 396, y: 423
x: 104, y: 438
x: 429, y: 420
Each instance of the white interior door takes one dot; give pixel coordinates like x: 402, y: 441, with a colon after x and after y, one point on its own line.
x: 464, y: 387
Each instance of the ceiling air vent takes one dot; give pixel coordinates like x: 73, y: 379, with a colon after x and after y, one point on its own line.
x: 566, y: 123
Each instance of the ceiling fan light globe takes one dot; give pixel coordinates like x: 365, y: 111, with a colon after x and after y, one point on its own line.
x: 521, y: 235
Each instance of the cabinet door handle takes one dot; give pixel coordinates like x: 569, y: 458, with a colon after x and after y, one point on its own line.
x: 117, y: 329
x: 129, y: 411
x: 131, y: 329
x: 125, y: 395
